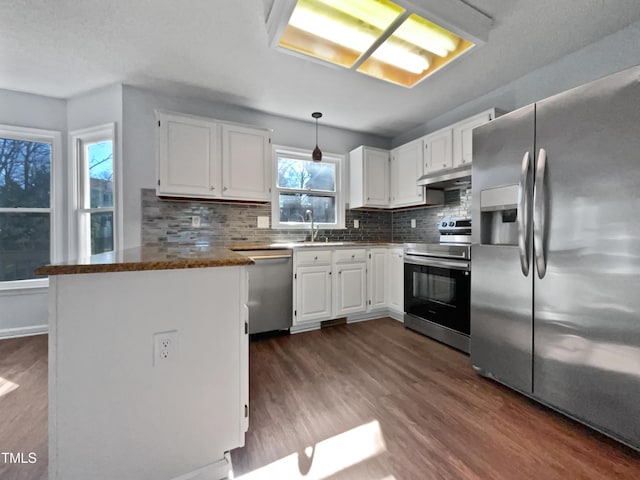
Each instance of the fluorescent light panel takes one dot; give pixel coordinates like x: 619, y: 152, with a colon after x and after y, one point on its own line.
x: 343, y: 31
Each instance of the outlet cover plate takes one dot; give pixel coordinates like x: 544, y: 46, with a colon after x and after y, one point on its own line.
x: 165, y: 347
x: 413, y: 223
x: 263, y: 222
x: 356, y: 223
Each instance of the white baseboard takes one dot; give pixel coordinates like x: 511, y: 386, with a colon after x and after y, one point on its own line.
x: 399, y: 316
x: 23, y: 331
x: 214, y: 471
x: 358, y: 317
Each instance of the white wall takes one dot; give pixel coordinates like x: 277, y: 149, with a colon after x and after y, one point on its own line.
x: 606, y: 56
x: 140, y: 129
x: 25, y: 311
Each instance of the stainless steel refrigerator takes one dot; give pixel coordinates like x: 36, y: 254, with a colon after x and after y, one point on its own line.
x: 555, y: 277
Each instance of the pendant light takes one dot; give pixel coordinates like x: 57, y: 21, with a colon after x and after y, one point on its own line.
x: 317, y: 154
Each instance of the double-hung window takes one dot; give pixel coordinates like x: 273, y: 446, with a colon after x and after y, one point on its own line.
x: 303, y: 186
x: 95, y: 190
x: 28, y: 237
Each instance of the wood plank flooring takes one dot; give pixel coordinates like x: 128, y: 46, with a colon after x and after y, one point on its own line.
x: 23, y: 409
x: 407, y: 408
x: 437, y: 418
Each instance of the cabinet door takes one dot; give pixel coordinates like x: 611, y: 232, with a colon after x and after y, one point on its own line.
x: 313, y: 294
x: 406, y: 168
x: 463, y: 137
x: 438, y: 150
x: 395, y: 278
x: 376, y: 279
x: 376, y: 178
x: 350, y: 289
x: 188, y: 157
x: 246, y: 163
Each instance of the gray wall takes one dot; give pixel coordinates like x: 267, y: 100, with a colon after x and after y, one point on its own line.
x: 139, y: 147
x: 608, y: 55
x: 25, y: 311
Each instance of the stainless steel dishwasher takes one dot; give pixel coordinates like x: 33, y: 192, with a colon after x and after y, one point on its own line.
x: 270, y: 289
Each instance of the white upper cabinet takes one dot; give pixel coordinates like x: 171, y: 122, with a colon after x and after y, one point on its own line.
x: 438, y: 150
x: 369, y: 177
x: 246, y: 162
x: 188, y: 156
x: 463, y: 137
x: 406, y: 168
x: 204, y: 158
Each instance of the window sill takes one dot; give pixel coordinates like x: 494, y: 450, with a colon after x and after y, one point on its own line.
x: 23, y: 286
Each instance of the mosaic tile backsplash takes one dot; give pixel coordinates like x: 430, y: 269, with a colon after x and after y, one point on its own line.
x: 168, y: 222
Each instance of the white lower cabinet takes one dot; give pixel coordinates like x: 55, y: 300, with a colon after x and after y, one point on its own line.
x: 395, y: 280
x: 376, y: 278
x: 349, y: 283
x: 313, y: 294
x: 339, y: 283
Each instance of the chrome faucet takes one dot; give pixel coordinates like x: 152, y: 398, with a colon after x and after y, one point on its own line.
x: 308, y: 216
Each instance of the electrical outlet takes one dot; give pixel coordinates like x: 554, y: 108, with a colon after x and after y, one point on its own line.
x: 165, y: 347
x: 413, y: 223
x: 263, y: 222
x: 195, y: 221
x: 356, y: 223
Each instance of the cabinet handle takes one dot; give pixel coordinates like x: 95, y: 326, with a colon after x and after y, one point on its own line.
x: 426, y: 165
x: 368, y: 198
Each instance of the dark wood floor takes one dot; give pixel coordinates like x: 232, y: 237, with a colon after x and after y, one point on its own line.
x: 23, y: 410
x: 437, y: 418
x: 407, y: 408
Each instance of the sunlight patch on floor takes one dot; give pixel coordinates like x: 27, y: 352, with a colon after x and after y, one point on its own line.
x: 7, y: 386
x: 327, y: 457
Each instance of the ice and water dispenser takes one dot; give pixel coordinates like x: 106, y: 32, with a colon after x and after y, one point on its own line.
x: 498, y: 216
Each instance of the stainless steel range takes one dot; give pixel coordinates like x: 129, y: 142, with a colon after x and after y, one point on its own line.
x: 437, y: 285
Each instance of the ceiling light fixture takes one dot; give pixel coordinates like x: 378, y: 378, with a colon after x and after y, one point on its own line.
x: 400, y: 41
x: 317, y: 154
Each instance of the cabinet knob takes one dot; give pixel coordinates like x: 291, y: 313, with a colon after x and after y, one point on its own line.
x: 426, y: 165
x: 330, y: 273
x: 315, y: 258
x: 444, y: 165
x: 340, y: 272
x: 224, y: 189
x: 463, y: 160
x: 368, y: 198
x: 212, y: 188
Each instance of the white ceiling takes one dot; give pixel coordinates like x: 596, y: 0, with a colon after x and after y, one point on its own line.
x: 218, y: 48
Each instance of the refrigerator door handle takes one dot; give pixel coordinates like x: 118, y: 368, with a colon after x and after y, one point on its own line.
x: 539, y: 213
x: 523, y: 215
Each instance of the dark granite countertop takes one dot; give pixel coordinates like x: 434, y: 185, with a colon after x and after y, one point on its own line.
x: 149, y: 258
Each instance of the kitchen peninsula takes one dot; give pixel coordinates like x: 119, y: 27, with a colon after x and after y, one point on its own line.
x: 148, y: 363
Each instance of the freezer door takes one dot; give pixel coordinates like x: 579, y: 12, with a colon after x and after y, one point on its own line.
x: 587, y: 305
x: 501, y: 292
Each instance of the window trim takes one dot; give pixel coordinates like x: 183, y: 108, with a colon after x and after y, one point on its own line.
x: 304, y: 154
x: 76, y: 154
x: 56, y: 205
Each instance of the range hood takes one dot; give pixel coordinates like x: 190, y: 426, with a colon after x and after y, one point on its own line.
x: 449, y: 179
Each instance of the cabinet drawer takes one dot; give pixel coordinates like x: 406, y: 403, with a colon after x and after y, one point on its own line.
x: 313, y: 257
x: 350, y: 255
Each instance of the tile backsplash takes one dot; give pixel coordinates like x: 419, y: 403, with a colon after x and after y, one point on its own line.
x: 168, y: 222
x: 457, y: 204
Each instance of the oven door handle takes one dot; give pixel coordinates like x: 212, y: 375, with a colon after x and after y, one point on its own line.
x: 437, y: 262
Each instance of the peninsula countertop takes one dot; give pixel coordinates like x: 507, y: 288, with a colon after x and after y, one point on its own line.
x: 149, y: 258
